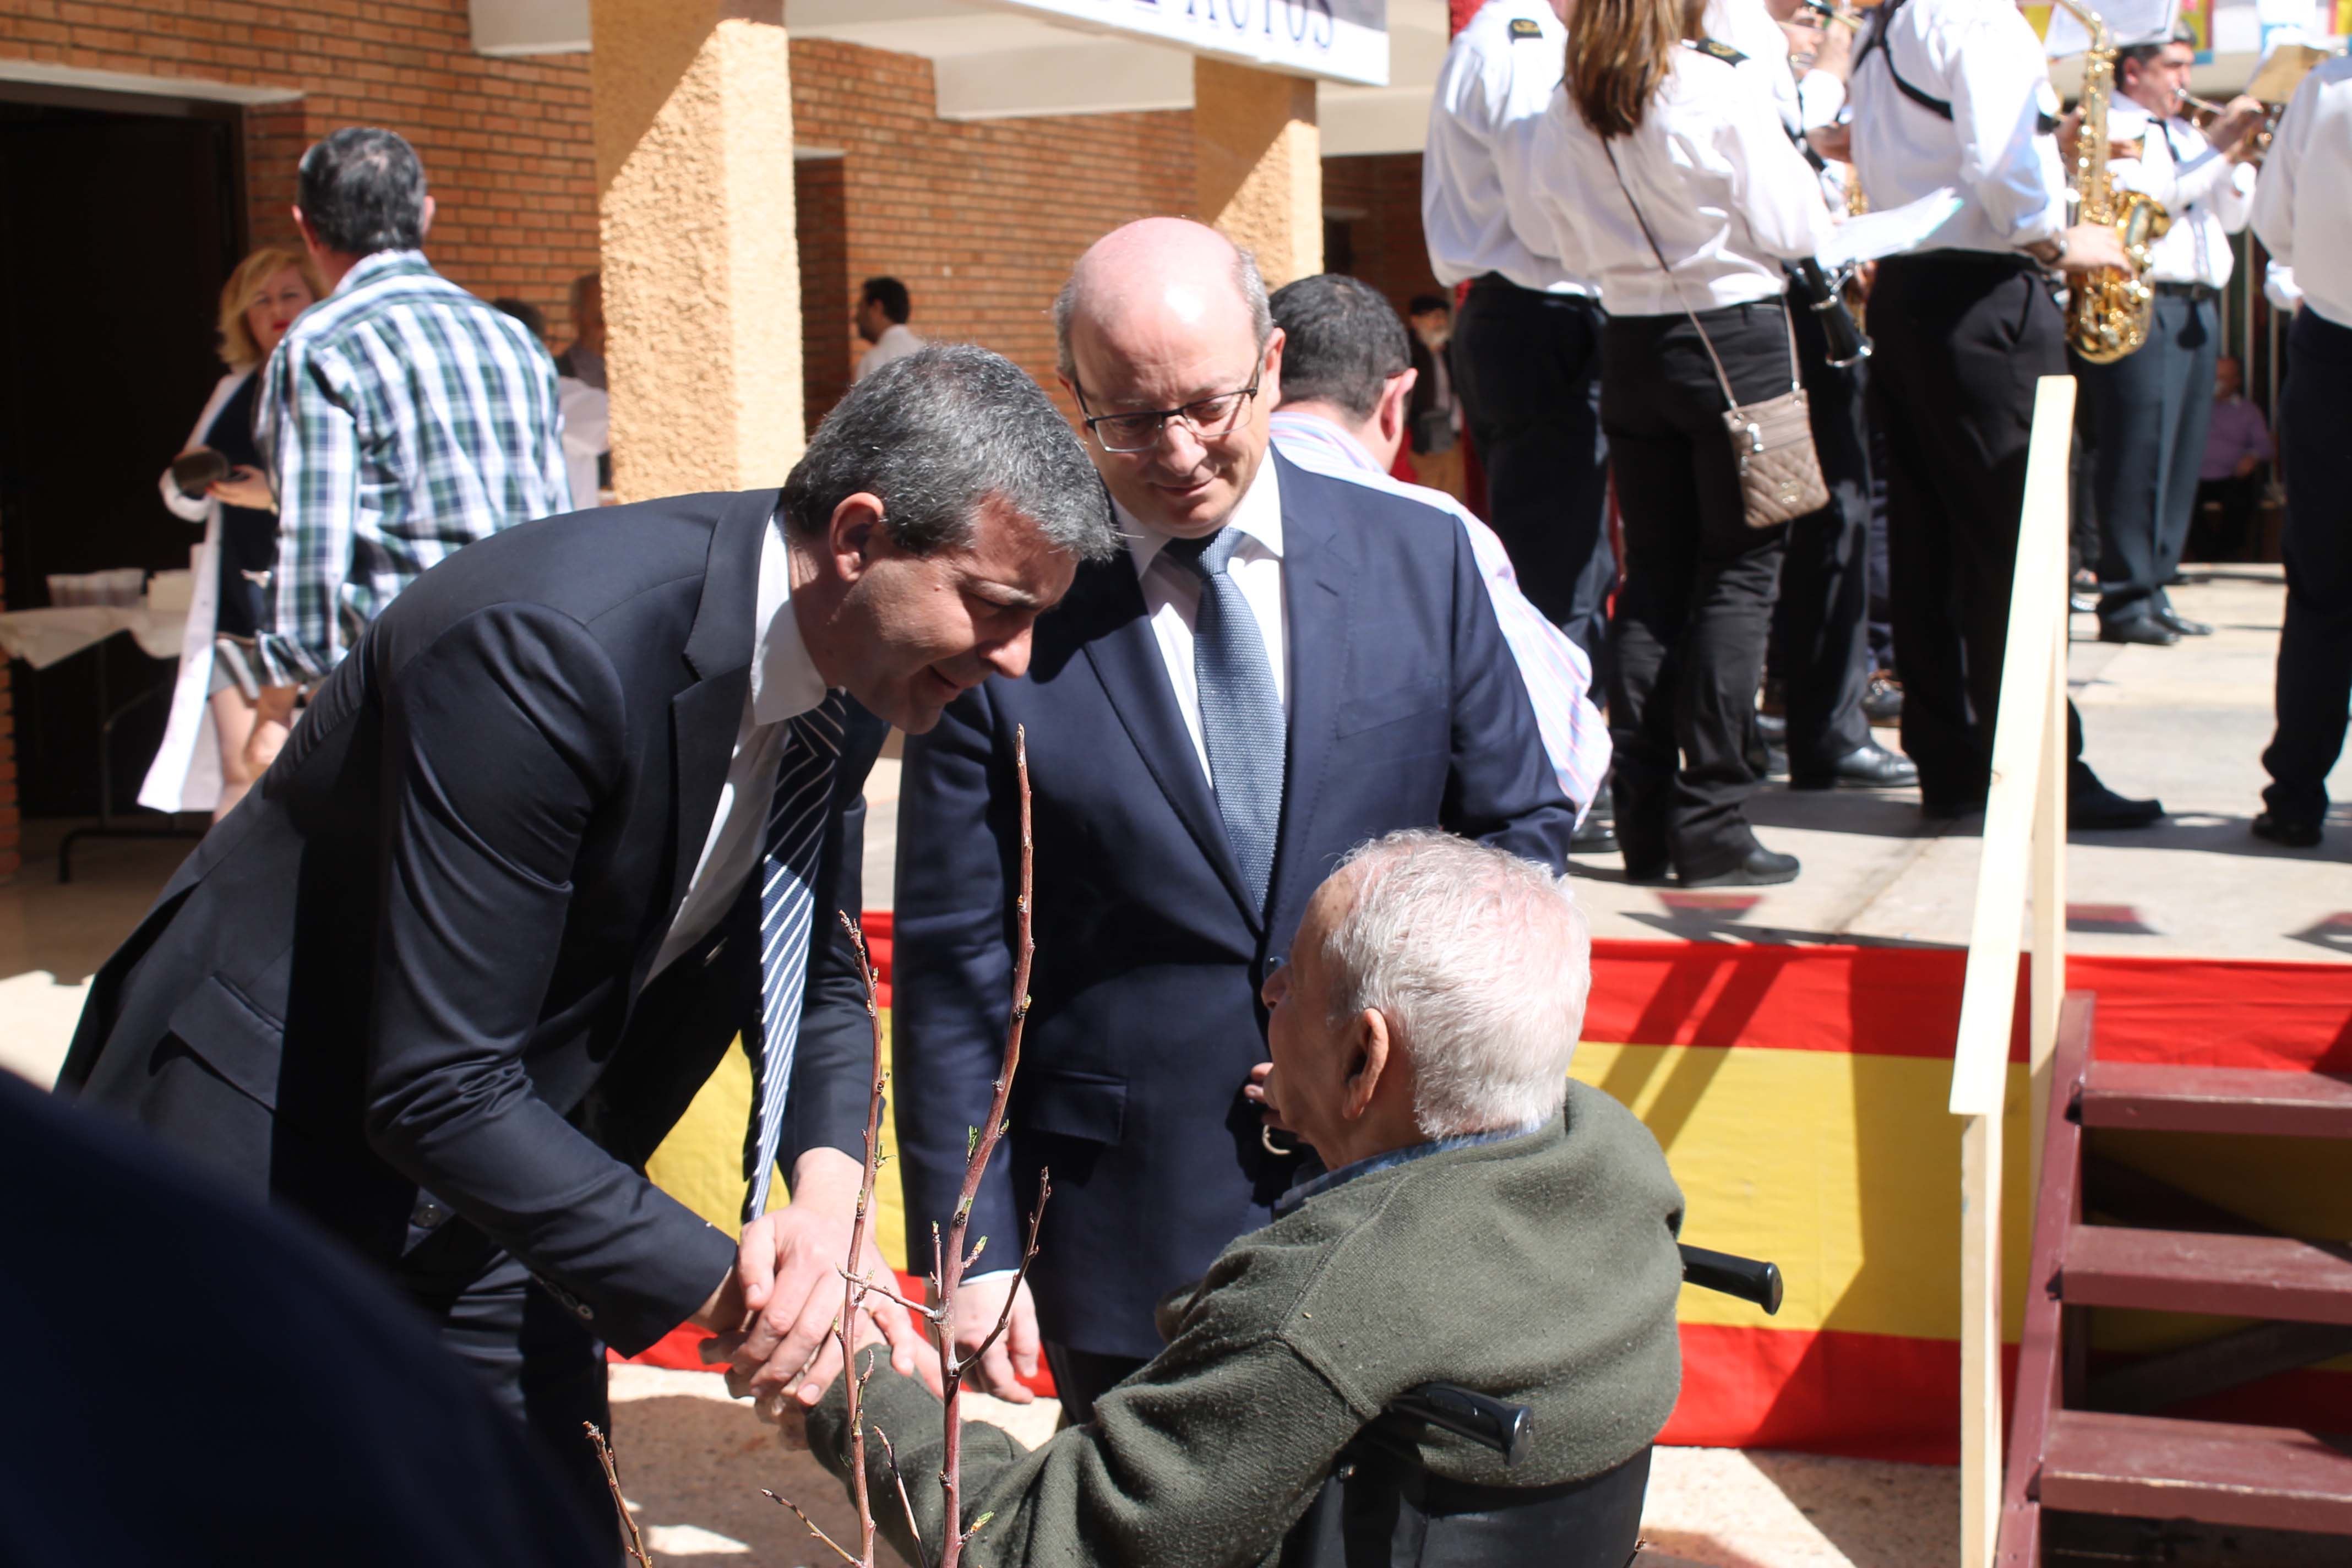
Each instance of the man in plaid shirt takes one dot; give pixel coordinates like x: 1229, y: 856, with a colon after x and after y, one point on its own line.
x: 401, y: 418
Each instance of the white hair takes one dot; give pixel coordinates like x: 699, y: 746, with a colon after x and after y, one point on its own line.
x: 1479, y: 961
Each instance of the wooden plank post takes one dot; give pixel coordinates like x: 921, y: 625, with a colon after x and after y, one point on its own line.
x: 2033, y: 676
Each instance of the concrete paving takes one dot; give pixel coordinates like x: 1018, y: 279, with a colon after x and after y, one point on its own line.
x: 2188, y: 724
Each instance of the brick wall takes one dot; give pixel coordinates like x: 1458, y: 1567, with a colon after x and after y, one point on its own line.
x: 505, y: 142
x: 979, y: 218
x: 1390, y: 253
x: 820, y: 191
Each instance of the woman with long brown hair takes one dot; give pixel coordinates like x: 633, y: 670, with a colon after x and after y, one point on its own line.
x: 1663, y: 175
x: 258, y: 303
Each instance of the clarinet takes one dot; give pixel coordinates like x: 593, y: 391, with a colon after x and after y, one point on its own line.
x: 1847, y: 345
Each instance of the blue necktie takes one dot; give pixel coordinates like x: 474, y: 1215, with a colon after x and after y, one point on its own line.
x: 1240, y: 716
x: 796, y: 822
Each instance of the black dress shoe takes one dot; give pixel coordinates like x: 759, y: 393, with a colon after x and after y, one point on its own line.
x: 1867, y: 766
x: 2174, y: 621
x: 2145, y: 629
x: 1596, y: 833
x: 1948, y: 808
x: 2100, y: 809
x: 1772, y: 727
x: 1761, y: 869
x: 2293, y: 832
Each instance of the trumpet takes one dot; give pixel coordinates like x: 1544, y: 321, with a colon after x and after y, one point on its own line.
x: 2252, y: 150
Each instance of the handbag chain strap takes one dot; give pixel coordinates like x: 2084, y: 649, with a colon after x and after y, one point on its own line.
x: 1796, y: 377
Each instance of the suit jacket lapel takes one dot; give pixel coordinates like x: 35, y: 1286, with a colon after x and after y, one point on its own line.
x: 706, y: 716
x: 1318, y: 573
x: 1119, y: 644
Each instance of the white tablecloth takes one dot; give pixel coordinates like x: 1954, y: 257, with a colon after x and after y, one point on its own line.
x: 41, y: 637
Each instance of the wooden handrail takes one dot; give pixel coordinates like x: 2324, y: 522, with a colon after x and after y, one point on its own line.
x: 2024, y: 849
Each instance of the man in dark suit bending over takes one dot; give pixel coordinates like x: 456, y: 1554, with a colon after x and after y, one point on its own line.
x: 578, y: 811
x: 1277, y: 667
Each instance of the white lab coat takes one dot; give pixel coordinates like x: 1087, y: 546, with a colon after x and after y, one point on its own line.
x: 185, y: 774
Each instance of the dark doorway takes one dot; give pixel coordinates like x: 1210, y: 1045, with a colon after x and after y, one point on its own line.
x: 119, y: 218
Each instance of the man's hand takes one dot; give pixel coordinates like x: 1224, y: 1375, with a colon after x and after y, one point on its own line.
x: 775, y: 1312
x: 2247, y: 466
x: 2092, y: 247
x: 244, y: 487
x: 1259, y: 1091
x: 1835, y: 142
x: 2239, y: 119
x: 979, y: 1304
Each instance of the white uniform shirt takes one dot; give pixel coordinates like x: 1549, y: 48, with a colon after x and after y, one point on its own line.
x: 1982, y: 58
x: 896, y: 341
x: 2303, y: 203
x: 1725, y: 193
x: 1172, y: 593
x: 1748, y: 27
x: 1500, y: 70
x: 784, y: 685
x: 2214, y: 197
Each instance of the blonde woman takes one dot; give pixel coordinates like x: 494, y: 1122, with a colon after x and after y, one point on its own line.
x: 260, y: 301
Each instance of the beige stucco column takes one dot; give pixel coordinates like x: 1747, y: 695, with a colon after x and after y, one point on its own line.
x: 693, y: 111
x: 1258, y: 163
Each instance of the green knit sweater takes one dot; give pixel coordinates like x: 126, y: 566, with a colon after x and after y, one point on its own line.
x: 1541, y: 1270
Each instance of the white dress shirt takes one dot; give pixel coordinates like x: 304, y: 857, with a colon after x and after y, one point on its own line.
x: 1982, y: 57
x: 1558, y: 676
x: 1500, y: 70
x: 2213, y: 198
x: 2303, y: 203
x: 1748, y: 27
x: 784, y: 685
x: 1172, y: 593
x: 1727, y: 194
x: 896, y: 341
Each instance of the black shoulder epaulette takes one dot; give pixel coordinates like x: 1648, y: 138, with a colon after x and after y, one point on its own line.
x: 1714, y: 50
x: 1525, y: 27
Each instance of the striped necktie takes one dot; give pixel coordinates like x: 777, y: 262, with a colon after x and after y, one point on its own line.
x: 796, y: 823
x: 1240, y: 716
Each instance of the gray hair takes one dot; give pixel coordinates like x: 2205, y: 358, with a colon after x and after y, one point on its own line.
x: 936, y: 434
x: 1248, y: 282
x: 1481, y: 963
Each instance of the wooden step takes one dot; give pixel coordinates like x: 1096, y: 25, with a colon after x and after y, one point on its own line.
x: 2150, y: 1466
x: 2217, y: 1099
x: 2272, y: 1276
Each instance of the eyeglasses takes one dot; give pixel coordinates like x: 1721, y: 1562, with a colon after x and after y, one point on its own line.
x: 1208, y: 419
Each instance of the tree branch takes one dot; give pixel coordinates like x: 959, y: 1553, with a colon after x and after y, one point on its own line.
x: 633, y: 1543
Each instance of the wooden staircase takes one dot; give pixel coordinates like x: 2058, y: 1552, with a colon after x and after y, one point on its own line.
x: 2084, y: 1446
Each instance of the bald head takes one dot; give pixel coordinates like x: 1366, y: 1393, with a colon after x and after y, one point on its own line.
x: 1170, y: 267
x: 1167, y: 314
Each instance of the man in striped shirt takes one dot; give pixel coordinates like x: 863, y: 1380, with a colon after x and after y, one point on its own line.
x: 1346, y: 377
x: 401, y: 418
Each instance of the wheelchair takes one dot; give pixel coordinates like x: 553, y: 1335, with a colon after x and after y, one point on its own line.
x: 1382, y: 1509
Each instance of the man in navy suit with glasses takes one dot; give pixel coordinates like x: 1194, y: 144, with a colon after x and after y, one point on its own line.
x: 1278, y: 667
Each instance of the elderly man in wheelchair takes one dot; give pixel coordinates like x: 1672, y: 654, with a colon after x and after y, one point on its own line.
x: 1456, y: 1346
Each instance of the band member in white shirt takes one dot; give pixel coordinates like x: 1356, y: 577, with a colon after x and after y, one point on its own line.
x: 2148, y: 410
x: 1526, y: 342
x: 1955, y: 93
x: 2302, y: 214
x: 1667, y: 175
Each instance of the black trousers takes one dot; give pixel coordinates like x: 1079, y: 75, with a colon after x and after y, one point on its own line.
x: 2146, y: 416
x: 1528, y: 368
x: 540, y: 1361
x: 1081, y: 1377
x: 2221, y: 527
x: 2314, y: 657
x: 1962, y: 339
x: 1821, y: 644
x: 1687, y: 640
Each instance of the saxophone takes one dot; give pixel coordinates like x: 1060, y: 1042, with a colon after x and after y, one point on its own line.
x: 2108, y: 312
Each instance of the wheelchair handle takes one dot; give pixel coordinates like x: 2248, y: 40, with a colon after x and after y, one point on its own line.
x: 1749, y: 1278
x: 1484, y: 1419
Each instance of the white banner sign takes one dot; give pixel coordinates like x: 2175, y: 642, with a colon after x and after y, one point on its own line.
x: 1343, y: 40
